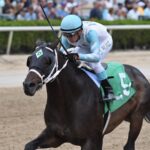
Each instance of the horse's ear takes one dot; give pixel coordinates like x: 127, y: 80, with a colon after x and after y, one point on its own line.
x: 40, y: 42
x: 53, y: 45
x: 28, y: 61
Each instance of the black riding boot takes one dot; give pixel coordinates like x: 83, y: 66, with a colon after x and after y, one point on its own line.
x: 108, y: 91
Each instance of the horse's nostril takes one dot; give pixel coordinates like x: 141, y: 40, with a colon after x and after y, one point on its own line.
x: 31, y: 85
x: 28, y: 85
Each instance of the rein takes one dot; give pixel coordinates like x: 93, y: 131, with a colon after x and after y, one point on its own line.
x: 54, y: 72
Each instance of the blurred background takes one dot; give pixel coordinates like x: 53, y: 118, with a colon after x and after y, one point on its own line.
x: 127, y: 20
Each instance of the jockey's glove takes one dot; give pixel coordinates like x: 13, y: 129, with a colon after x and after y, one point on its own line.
x: 71, y: 50
x: 73, y: 57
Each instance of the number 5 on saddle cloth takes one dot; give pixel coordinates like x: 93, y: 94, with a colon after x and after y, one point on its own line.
x: 120, y: 82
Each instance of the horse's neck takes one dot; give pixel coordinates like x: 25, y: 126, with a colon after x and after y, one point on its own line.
x: 68, y: 81
x: 70, y: 92
x: 69, y: 74
x: 70, y: 84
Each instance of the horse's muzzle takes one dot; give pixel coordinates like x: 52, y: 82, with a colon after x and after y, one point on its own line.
x: 30, y: 88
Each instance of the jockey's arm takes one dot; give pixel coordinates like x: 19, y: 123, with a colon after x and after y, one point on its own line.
x: 94, y: 42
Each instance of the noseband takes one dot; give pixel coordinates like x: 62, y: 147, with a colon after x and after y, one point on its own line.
x: 54, y: 72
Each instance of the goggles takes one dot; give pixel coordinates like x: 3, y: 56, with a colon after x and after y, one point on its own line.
x: 69, y: 35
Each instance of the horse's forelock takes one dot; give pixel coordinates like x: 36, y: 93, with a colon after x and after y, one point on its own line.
x: 40, y: 43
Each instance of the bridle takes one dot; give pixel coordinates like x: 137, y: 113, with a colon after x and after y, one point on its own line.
x: 54, y: 71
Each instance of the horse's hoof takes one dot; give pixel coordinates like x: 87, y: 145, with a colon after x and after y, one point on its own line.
x: 29, y: 147
x: 129, y: 148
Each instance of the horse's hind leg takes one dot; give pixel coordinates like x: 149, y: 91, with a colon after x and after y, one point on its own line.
x: 46, y: 139
x: 135, y: 128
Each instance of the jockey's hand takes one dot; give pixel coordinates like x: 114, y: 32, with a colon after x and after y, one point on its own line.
x: 73, y: 57
x: 71, y: 50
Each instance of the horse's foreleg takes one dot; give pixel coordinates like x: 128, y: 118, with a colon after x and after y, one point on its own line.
x: 95, y: 143
x: 46, y: 139
x: 135, y: 128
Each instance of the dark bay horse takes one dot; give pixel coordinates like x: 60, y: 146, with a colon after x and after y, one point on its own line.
x: 71, y: 113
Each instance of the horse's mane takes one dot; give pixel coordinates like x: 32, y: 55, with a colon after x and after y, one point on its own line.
x: 42, y: 43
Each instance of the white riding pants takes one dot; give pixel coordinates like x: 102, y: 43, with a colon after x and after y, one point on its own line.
x: 105, y: 47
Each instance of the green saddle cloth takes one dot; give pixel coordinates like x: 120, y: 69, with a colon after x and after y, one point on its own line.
x: 121, y: 84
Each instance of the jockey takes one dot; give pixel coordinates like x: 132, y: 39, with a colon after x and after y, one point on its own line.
x: 89, y: 42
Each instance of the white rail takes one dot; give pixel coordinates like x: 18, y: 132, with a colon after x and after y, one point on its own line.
x: 56, y: 28
x: 28, y: 28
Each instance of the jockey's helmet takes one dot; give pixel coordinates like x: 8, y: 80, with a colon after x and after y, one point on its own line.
x: 71, y: 24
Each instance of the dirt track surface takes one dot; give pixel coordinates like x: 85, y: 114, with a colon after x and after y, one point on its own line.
x: 21, y: 117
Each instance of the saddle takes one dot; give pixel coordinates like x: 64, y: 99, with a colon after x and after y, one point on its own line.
x: 117, y: 76
x: 88, y: 68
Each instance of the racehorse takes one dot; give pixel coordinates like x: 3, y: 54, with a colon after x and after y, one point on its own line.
x: 71, y: 113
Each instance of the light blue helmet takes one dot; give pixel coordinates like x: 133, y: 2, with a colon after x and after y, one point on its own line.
x: 71, y: 24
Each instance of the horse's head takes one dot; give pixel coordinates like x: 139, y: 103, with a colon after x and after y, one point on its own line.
x: 42, y: 66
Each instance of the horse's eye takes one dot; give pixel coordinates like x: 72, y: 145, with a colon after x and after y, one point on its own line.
x: 28, y: 61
